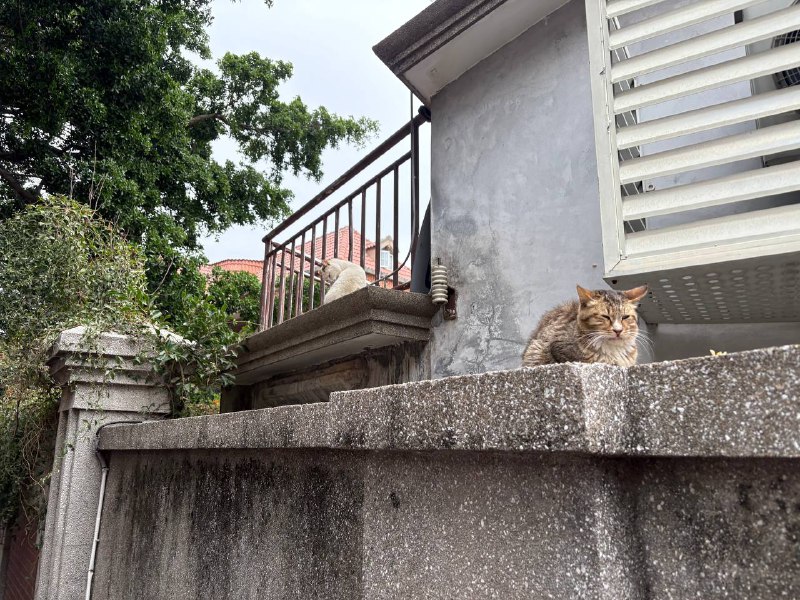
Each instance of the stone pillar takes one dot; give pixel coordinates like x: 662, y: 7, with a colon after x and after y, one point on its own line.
x: 102, y: 384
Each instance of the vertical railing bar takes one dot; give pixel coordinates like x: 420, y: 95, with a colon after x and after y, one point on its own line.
x: 282, y: 293
x: 298, y: 289
x: 414, y: 188
x: 313, y: 266
x: 396, y: 231
x: 302, y: 278
x: 292, y: 279
x: 271, y: 298
x: 363, y: 246
x: 336, y: 234
x: 350, y: 229
x: 378, y: 232
x: 324, y: 256
x: 262, y: 316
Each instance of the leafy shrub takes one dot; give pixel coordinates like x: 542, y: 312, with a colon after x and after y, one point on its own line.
x: 238, y: 294
x: 60, y: 267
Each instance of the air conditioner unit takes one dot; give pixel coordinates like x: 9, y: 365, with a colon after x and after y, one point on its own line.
x: 782, y: 79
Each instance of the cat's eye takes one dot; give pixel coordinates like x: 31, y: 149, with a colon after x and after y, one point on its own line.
x: 625, y: 317
x: 607, y: 318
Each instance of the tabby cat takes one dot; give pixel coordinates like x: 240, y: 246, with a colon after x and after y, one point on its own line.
x: 601, y: 326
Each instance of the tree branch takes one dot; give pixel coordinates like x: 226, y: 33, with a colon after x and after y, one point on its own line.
x: 208, y: 117
x: 15, y: 185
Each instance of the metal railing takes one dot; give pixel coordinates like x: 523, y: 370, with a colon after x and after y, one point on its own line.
x: 290, y: 285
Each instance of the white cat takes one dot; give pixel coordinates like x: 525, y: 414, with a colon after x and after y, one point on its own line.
x: 345, y: 277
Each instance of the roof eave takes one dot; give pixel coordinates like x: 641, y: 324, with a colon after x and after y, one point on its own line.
x: 449, y: 37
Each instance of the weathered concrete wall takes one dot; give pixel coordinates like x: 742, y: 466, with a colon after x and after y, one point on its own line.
x: 347, y: 525
x: 389, y: 365
x: 515, y: 210
x: 664, y: 481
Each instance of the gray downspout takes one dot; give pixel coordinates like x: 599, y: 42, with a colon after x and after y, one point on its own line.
x: 96, y: 539
x: 103, y: 478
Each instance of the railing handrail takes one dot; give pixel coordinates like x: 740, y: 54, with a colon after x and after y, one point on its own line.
x: 365, y: 162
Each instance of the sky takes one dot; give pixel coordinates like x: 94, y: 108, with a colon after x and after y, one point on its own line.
x: 330, y: 45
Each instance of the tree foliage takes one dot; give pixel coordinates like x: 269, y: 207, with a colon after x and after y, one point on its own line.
x: 99, y: 101
x: 238, y: 294
x: 60, y: 267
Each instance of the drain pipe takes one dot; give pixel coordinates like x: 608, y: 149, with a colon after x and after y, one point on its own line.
x: 103, y: 478
x: 96, y: 539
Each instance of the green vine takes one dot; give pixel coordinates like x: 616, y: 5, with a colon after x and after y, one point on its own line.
x: 61, y: 266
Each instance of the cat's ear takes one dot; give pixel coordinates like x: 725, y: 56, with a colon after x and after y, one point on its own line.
x: 635, y: 294
x: 585, y: 295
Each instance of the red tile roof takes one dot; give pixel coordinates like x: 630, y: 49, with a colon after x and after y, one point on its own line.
x: 256, y: 266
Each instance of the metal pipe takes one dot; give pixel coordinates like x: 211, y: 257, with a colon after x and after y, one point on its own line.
x: 336, y: 234
x: 263, y: 321
x: 377, y: 232
x: 396, y: 233
x: 282, y: 292
x: 350, y: 229
x: 96, y: 538
x: 324, y: 257
x: 363, y: 248
x: 313, y: 265
x: 414, y: 186
x: 100, y: 501
x: 292, y: 279
x: 301, y: 285
x: 271, y: 298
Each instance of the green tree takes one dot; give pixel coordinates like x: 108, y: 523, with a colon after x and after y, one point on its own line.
x: 99, y: 101
x: 238, y: 294
x: 59, y: 267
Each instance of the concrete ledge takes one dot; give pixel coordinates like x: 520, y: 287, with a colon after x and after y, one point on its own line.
x: 741, y: 405
x: 370, y: 318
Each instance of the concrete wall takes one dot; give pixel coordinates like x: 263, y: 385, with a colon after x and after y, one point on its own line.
x: 515, y: 211
x: 348, y: 525
x: 661, y: 481
x: 658, y: 482
x: 515, y: 215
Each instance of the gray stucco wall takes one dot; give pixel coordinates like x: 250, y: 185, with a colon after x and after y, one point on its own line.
x: 347, y: 525
x: 658, y: 482
x: 515, y: 215
x: 515, y: 211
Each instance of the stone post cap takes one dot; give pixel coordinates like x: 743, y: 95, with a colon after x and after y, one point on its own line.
x: 79, y: 340
x: 107, y: 367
